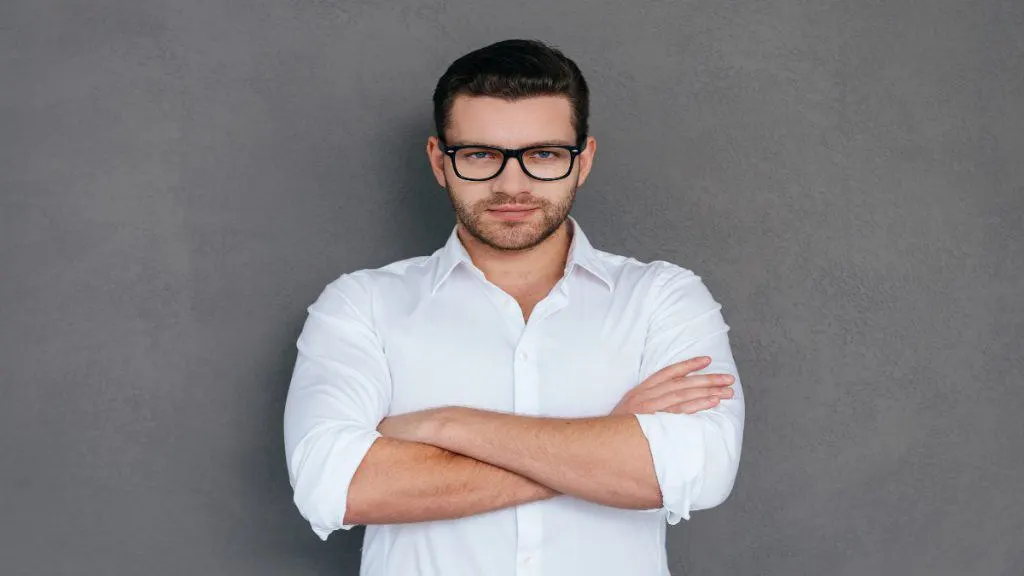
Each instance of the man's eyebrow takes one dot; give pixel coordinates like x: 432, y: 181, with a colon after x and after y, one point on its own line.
x: 529, y: 145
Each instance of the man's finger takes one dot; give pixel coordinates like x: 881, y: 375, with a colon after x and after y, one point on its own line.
x: 693, y: 406
x: 685, y: 382
x: 674, y: 397
x: 679, y: 369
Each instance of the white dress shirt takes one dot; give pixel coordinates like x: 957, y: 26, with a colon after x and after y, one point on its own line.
x: 432, y: 331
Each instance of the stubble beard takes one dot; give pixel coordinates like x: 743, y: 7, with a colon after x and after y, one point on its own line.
x: 512, y: 235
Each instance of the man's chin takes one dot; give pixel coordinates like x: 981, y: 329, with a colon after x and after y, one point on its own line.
x: 513, y: 242
x: 517, y: 236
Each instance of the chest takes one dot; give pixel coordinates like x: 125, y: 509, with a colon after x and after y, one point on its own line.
x: 571, y: 358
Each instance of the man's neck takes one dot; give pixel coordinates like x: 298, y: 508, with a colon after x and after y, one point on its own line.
x: 538, y: 268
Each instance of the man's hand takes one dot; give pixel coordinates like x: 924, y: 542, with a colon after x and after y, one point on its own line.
x: 671, y: 389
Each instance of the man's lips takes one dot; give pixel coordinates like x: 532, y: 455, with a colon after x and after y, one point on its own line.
x: 512, y: 213
x: 508, y: 208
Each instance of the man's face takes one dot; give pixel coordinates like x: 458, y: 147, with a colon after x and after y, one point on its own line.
x: 496, y: 122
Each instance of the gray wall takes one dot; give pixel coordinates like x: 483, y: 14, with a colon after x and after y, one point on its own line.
x: 180, y: 179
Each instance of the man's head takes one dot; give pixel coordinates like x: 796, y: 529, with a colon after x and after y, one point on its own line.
x: 512, y: 94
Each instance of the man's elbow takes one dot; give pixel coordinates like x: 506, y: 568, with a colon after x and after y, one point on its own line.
x: 323, y: 468
x: 318, y: 511
x: 715, y: 490
x: 711, y: 488
x: 721, y: 463
x: 320, y: 497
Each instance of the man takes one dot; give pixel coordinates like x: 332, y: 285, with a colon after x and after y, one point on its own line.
x: 518, y: 402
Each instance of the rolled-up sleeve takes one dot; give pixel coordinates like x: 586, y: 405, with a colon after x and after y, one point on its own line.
x: 696, y: 456
x: 339, y: 392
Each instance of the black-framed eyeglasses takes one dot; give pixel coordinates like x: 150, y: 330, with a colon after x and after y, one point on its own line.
x: 478, y: 163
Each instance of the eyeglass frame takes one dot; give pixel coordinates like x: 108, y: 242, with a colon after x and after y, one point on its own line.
x: 507, y: 153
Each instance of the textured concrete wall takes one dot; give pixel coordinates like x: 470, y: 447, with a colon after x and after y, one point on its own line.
x: 180, y: 179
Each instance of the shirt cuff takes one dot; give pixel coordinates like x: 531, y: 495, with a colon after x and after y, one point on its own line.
x: 325, y: 491
x: 677, y: 447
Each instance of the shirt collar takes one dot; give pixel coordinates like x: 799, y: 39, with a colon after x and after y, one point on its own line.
x: 581, y: 253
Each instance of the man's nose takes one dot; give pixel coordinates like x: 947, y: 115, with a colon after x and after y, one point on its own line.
x: 512, y: 178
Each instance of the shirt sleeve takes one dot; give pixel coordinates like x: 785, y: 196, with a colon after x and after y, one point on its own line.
x: 696, y: 456
x: 339, y: 392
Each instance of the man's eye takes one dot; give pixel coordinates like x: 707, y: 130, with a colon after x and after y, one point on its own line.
x: 546, y: 154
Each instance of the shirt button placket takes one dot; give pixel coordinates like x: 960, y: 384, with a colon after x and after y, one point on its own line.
x: 527, y: 565
x: 528, y: 520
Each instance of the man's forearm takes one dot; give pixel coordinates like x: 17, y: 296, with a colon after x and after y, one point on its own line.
x: 401, y: 481
x: 605, y: 460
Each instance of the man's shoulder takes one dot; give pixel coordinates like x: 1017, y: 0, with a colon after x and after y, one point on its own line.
x: 406, y: 276
x: 399, y: 270
x: 653, y: 273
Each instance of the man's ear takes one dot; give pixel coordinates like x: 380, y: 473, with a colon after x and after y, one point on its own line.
x: 436, y: 158
x: 586, y: 159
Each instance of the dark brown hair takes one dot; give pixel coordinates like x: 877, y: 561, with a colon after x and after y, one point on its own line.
x: 513, y: 69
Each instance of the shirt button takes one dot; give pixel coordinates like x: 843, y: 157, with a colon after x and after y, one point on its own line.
x: 523, y: 355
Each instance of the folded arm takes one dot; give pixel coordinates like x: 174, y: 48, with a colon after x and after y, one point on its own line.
x: 604, y: 460
x: 681, y: 462
x: 402, y: 481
